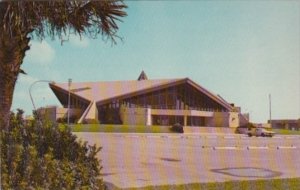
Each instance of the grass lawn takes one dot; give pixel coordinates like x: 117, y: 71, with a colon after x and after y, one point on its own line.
x: 271, y: 184
x: 142, y: 129
x: 118, y: 128
x: 286, y: 132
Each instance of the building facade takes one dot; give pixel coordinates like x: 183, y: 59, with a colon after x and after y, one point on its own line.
x: 291, y: 124
x: 147, y: 102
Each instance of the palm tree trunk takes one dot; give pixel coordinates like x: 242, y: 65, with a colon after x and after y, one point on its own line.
x: 12, y: 52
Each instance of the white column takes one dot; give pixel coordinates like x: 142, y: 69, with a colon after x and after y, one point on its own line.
x: 148, y: 117
x: 185, y: 120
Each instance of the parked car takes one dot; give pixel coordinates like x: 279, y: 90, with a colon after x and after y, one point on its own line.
x: 242, y: 130
x: 260, y: 132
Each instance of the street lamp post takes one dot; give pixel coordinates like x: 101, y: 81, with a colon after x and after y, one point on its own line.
x: 30, y: 88
x: 69, y: 97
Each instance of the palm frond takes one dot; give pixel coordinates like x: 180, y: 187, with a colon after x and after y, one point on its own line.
x: 60, y: 18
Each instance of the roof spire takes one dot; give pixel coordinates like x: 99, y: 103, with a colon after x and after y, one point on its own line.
x: 142, y: 76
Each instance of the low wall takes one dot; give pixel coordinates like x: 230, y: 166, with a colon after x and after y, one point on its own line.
x: 209, y: 130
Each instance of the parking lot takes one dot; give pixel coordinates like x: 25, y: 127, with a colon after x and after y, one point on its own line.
x: 136, y: 160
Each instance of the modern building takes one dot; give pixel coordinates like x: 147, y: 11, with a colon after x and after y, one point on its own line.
x: 145, y: 102
x: 291, y: 124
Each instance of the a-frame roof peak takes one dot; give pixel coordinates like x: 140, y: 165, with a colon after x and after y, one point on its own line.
x: 142, y: 76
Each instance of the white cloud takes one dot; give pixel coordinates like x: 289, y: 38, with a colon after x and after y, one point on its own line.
x: 78, y: 41
x: 40, y: 53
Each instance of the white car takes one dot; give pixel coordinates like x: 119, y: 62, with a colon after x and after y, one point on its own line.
x: 260, y: 132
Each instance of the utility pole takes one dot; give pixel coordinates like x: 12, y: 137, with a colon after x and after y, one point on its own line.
x: 69, y: 85
x: 270, y: 109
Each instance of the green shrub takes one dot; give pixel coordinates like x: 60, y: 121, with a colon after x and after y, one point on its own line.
x: 178, y: 128
x: 72, y: 119
x: 91, y: 121
x: 41, y: 155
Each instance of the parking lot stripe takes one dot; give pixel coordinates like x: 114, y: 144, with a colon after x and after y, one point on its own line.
x: 132, y: 136
x: 193, y: 137
x: 154, y: 136
x: 224, y: 147
x: 286, y: 147
x: 290, y: 137
x: 257, y: 147
x: 229, y: 137
x: 211, y: 137
x: 175, y: 137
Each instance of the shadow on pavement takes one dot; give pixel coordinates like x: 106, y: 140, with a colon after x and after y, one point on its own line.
x: 170, y: 159
x: 249, y: 172
x: 106, y: 174
x: 110, y: 186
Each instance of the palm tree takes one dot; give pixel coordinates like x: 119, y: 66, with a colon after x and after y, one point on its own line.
x: 21, y: 20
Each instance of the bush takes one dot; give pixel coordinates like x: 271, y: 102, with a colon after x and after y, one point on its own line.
x: 72, y: 119
x: 91, y: 121
x: 39, y: 155
x: 178, y: 128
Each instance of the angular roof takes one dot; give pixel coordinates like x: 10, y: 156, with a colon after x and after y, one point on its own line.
x: 99, y: 91
x: 102, y: 92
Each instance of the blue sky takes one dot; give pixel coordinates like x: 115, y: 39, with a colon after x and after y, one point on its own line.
x: 241, y: 50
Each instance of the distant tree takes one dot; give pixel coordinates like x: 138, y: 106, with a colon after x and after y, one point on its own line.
x: 22, y: 19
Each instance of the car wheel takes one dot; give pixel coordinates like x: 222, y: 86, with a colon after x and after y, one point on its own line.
x: 263, y: 135
x: 249, y: 135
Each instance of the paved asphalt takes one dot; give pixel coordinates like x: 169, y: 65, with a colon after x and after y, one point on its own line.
x: 136, y: 160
